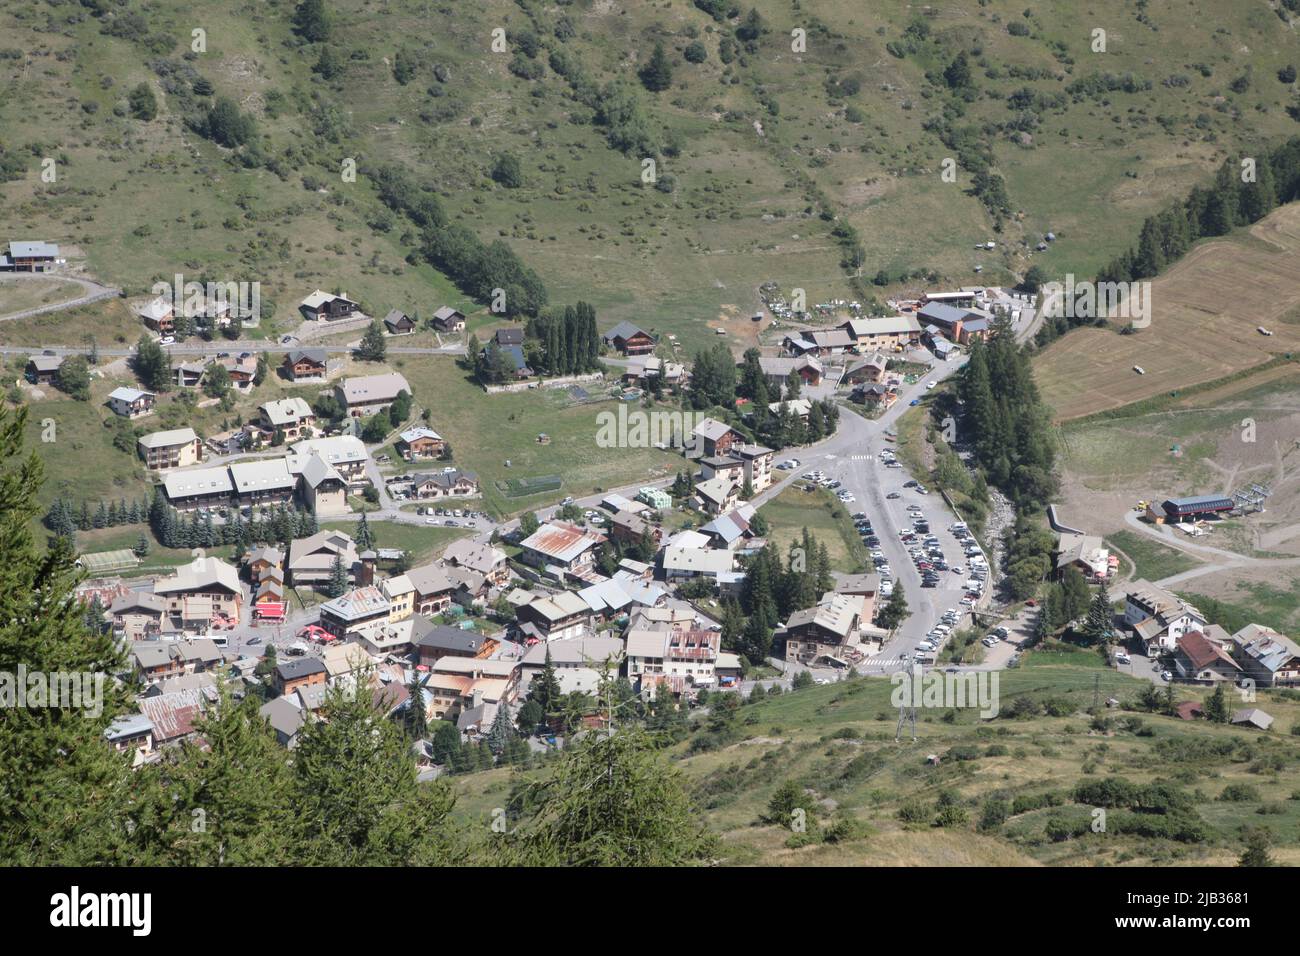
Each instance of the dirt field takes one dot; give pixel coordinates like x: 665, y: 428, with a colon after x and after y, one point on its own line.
x: 1204, y: 314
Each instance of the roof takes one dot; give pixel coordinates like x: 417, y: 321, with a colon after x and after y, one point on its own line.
x: 284, y: 715
x: 557, y: 607
x: 286, y: 411
x: 944, y: 314
x: 319, y: 298
x: 1253, y: 716
x: 716, y: 489
x: 1202, y: 652
x: 508, y: 336
x: 446, y: 478
x: 203, y: 481
x: 46, y: 363
x: 141, y: 600
x: 418, y: 432
x: 474, y: 555
x: 172, y: 715
x: 395, y: 317
x: 1197, y: 503
x: 578, y: 650
x: 1266, y: 647
x: 782, y: 367
x: 624, y: 330
x: 33, y: 249
x: 474, y: 666
x: 561, y: 541
x: 199, y: 575
x: 315, y: 471
x: 316, y: 356
x: 321, y: 546
x: 128, y: 395
x: 359, y: 603
x: 374, y: 388
x: 294, y: 668
x: 829, y: 338
x: 442, y: 637
x: 264, y: 475
x: 835, y: 615
x: 430, y: 579
x: 339, y: 450
x: 859, y: 584
x: 167, y: 439
x: 128, y: 725
x: 732, y: 525
x: 702, y: 561
x: 711, y: 429
x: 446, y: 312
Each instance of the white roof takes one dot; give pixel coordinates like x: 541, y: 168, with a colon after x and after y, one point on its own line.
x: 125, y: 394
x: 286, y: 411
x: 156, y: 309
x: 374, y: 388
x: 166, y: 439
x: 704, y: 561
x: 342, y: 449
x: 259, y: 475
x: 201, y: 481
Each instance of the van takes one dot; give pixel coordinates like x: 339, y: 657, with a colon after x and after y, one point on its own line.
x: 221, y: 640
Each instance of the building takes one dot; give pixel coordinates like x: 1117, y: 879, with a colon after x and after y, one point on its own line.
x: 295, y: 673
x: 1266, y: 657
x: 950, y: 320
x: 398, y: 322
x: 715, y: 438
x: 678, y: 657
x: 345, y: 453
x: 825, y: 630
x: 1197, y: 658
x: 717, y: 495
x: 1177, y: 510
x: 864, y: 588
x: 561, y: 545
x: 722, y: 466
x: 189, y: 374
x: 508, y: 337
x: 627, y: 527
x: 311, y: 560
x: 819, y: 342
x: 326, y: 307
x: 868, y: 371
x: 686, y: 564
x: 30, y: 257
x: 438, y: 641
x: 1158, y: 617
x: 488, y: 561
x: 292, y: 417
x: 579, y: 664
x: 420, y: 442
x: 159, y: 316
x: 202, y: 593
x: 778, y: 370
x: 757, y: 461
x: 890, y: 333
x: 368, y: 394
x: 458, y: 685
x: 447, y: 319
x: 131, y: 402
x: 1252, y: 717
x: 305, y: 365
x: 198, y: 488
x: 434, y: 588
x: 1086, y: 553
x: 354, y: 611
x: 262, y: 482
x: 322, y: 488
x: 43, y: 369
x: 138, y: 616
x: 555, y: 617
x: 628, y: 339
x: 176, y: 448
x: 732, y: 529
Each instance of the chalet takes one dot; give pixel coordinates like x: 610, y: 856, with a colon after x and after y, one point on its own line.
x: 173, y: 716
x: 398, y: 322
x: 628, y: 528
x: 1196, y: 658
x: 628, y: 339
x: 640, y: 369
x: 1086, y: 553
x: 824, y: 630
x: 420, y: 442
x: 1266, y: 657
x: 717, y: 495
x: 715, y: 438
x: 686, y: 564
x: 138, y: 616
x: 189, y: 374
x: 175, y: 448
x: 263, y: 559
x: 457, y: 686
x: 369, y: 394
x: 159, y: 316
x: 325, y: 307
x: 560, y: 616
x: 448, y: 483
x: 868, y: 371
x: 579, y: 664
x: 507, y: 337
x: 295, y: 673
x: 292, y: 417
x: 438, y: 641
x: 348, y: 614
x: 875, y: 396
x: 202, y: 591
x: 433, y: 588
x: 311, y: 560
x: 198, y: 488
x: 447, y: 319
x: 731, y: 529
x: 484, y: 558
x: 561, y: 545
x: 819, y: 342
x: 1158, y: 617
x: 322, y: 488
x: 890, y: 333
x: 43, y: 369
x: 131, y: 732
x: 241, y: 368
x: 131, y: 402
x: 286, y: 718
x: 1251, y: 717
x: 778, y: 370
x: 305, y: 365
x: 29, y: 257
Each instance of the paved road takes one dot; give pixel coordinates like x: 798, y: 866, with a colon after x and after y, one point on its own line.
x: 94, y: 292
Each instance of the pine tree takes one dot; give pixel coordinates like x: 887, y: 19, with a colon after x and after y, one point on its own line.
x: 1099, y: 628
x: 365, y: 540
x: 338, y: 582
x: 1216, y: 705
x: 657, y: 74
x: 545, y: 689
x: 417, y: 718
x: 374, y: 347
x: 501, y: 733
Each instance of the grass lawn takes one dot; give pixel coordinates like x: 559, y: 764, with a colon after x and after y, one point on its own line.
x: 1152, y: 559
x: 420, y: 543
x: 793, y: 510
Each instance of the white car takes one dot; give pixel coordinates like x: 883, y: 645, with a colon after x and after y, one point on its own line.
x: 930, y: 385
x: 1122, y: 658
x: 167, y: 340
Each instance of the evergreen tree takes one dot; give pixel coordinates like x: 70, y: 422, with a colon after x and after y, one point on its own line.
x: 657, y: 74
x: 1216, y: 706
x: 338, y: 582
x: 501, y: 733
x: 1099, y: 628
x: 374, y: 347
x: 417, y: 718
x: 895, y: 610
x: 311, y: 20
x: 364, y: 538
x: 545, y: 689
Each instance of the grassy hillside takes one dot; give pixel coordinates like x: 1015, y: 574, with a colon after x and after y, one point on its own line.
x: 758, y: 157
x: 837, y: 741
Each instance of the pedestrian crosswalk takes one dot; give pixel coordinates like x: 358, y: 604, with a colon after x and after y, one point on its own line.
x: 884, y: 662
